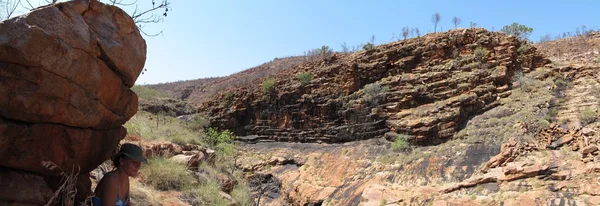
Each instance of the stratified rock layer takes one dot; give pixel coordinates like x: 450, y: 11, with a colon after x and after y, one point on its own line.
x: 424, y: 87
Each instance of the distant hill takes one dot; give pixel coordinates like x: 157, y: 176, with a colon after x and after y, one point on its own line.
x: 200, y: 90
x: 583, y: 48
x: 183, y: 89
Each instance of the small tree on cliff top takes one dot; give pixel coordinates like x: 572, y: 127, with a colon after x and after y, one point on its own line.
x: 435, y: 19
x: 520, y: 31
x: 456, y: 21
x: 405, y: 32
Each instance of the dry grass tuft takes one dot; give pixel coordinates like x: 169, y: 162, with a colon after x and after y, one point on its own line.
x: 141, y: 195
x: 65, y: 194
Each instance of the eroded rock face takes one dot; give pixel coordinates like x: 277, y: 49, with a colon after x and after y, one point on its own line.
x: 65, y: 77
x: 427, y: 88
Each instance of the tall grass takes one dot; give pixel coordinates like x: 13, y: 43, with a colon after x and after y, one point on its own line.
x: 164, y: 174
x: 205, y: 193
x: 148, y: 93
x: 157, y: 127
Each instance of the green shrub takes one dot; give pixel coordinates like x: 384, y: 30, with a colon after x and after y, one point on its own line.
x: 164, y: 174
x: 480, y: 53
x: 221, y: 141
x: 587, y: 116
x: 198, y: 122
x: 325, y: 50
x: 523, y: 49
x: 304, y: 78
x: 374, y: 91
x: 400, y: 144
x: 528, y: 84
x: 561, y: 83
x: 455, y: 53
x: 228, y: 96
x: 268, y: 85
x: 598, y: 60
x: 368, y: 46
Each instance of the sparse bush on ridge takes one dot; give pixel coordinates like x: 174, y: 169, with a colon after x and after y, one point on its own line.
x: 268, y: 84
x: 304, y: 78
x: 480, y: 53
x: 368, y: 46
x: 587, y: 116
x: 325, y: 50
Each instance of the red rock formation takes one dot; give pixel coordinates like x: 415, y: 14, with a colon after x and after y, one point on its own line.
x: 65, y: 75
x: 434, y: 84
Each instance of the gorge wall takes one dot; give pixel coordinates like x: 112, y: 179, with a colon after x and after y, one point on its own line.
x: 425, y: 88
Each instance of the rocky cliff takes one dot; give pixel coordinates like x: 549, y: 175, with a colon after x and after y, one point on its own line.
x: 537, y: 145
x: 65, y: 74
x: 425, y: 88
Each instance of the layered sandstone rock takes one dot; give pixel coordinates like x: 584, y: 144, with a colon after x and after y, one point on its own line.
x: 65, y: 75
x: 424, y: 87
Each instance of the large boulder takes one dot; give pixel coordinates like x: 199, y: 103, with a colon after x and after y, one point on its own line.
x: 65, y: 76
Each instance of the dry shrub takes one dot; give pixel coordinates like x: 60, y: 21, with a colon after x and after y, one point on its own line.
x: 164, y: 174
x: 65, y: 194
x: 141, y: 195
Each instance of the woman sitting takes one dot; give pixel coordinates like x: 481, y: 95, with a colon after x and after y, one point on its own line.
x: 114, y: 186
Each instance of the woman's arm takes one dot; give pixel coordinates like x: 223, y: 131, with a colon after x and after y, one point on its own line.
x: 128, y: 193
x: 109, y: 190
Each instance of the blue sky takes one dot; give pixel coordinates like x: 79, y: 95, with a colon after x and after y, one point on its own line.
x: 204, y: 38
